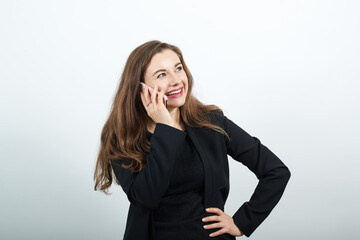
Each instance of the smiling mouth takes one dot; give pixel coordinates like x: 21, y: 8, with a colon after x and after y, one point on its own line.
x: 174, y: 92
x: 177, y: 93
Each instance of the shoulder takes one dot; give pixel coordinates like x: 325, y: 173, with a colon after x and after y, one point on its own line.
x: 216, y: 116
x: 214, y: 113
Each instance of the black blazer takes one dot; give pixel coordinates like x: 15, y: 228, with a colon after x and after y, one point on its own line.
x: 145, y: 189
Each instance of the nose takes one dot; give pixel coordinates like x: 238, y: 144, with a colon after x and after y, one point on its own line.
x: 174, y: 79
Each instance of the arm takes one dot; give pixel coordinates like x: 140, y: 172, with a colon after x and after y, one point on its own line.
x: 272, y: 173
x: 146, y: 187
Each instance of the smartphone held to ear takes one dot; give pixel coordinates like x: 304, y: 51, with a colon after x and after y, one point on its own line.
x: 150, y: 89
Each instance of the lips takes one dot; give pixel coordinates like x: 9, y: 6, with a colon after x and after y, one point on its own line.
x: 174, y: 90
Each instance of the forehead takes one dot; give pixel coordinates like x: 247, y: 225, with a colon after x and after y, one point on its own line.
x: 164, y: 59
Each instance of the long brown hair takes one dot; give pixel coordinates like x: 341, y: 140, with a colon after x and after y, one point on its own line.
x: 124, y: 133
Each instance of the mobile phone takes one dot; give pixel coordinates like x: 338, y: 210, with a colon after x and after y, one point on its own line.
x: 150, y: 89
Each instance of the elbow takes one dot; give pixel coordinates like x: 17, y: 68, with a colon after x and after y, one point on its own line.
x: 281, y: 175
x: 285, y: 174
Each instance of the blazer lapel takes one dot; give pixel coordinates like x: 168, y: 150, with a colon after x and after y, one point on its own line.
x: 205, y: 161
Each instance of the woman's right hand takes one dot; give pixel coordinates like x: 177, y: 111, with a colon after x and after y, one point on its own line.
x: 155, y: 107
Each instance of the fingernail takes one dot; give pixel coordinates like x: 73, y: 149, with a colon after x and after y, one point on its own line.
x: 207, y: 209
x: 204, y: 219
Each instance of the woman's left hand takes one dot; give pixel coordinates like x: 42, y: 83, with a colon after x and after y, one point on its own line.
x: 225, y: 222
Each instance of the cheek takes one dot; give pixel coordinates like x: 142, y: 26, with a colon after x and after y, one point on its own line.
x: 186, y: 83
x: 148, y: 82
x: 161, y: 86
x: 185, y: 79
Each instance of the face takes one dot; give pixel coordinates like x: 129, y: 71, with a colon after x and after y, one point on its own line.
x: 166, y: 71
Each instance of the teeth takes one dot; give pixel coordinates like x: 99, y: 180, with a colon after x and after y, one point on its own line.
x: 175, y: 92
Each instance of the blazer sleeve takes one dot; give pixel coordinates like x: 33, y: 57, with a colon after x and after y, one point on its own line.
x: 146, y: 187
x: 271, y: 172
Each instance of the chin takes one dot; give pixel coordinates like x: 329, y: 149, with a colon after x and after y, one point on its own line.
x: 176, y: 104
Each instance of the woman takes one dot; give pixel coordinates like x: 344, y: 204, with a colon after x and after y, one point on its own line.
x: 171, y: 159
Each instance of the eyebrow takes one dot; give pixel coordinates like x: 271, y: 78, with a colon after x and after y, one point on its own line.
x: 160, y: 70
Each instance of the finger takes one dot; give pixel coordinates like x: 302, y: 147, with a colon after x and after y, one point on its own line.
x: 142, y: 96
x: 161, y: 96
x: 153, y: 94
x: 214, y: 225
x: 146, y: 95
x: 215, y: 210
x: 217, y: 233
x: 212, y: 218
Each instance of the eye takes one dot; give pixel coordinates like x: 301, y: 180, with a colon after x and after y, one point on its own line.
x: 160, y: 75
x: 180, y: 68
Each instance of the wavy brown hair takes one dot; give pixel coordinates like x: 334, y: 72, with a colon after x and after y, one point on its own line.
x: 124, y: 133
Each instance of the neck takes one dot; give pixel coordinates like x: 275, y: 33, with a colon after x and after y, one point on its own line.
x: 175, y: 115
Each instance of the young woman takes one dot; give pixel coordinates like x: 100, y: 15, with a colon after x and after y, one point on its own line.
x: 170, y: 158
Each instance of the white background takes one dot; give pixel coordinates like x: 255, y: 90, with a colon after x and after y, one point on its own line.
x: 287, y: 72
